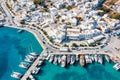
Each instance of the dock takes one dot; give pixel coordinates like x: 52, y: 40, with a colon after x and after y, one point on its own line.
x: 33, y: 66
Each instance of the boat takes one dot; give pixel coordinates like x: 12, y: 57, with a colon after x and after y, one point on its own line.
x: 51, y: 58
x: 55, y: 60
x: 92, y: 58
x: 59, y: 59
x: 20, y: 30
x: 34, y: 54
x: 73, y: 58
x: 30, y: 58
x: 100, y: 60
x: 40, y: 63
x: 82, y: 60
x: 16, y: 75
x: 116, y: 66
x: 48, y: 57
x: 77, y: 57
x: 63, y: 61
x: 68, y: 59
x: 107, y: 58
x: 95, y: 57
x: 24, y: 65
x: 31, y: 77
x: 35, y: 71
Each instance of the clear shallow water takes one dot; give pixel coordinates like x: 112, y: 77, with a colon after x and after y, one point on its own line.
x: 14, y: 46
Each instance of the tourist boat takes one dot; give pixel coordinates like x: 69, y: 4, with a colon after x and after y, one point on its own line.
x: 16, y: 75
x: 107, y: 58
x: 95, y: 57
x: 63, y: 61
x: 59, y: 59
x: 55, y: 60
x: 116, y: 66
x: 68, y: 59
x: 34, y: 54
x: 51, y: 58
x: 30, y: 58
x: 100, y: 60
x: 24, y: 65
x: 36, y: 70
x: 77, y: 57
x: 73, y: 58
x: 82, y: 60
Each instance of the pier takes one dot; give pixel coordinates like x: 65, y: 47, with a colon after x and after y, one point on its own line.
x: 33, y: 66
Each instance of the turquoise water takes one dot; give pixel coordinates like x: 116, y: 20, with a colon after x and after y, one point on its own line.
x: 14, y: 46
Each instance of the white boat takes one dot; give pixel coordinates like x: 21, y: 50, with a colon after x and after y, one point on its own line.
x: 73, y: 58
x: 92, y: 58
x: 63, y: 61
x: 100, y: 60
x: 95, y: 57
x: 86, y: 59
x: 55, y: 60
x: 36, y: 70
x: 24, y: 65
x: 59, y: 59
x: 77, y: 57
x: 48, y: 57
x: 34, y: 54
x: 20, y: 31
x: 30, y: 58
x: 31, y: 77
x: 16, y: 75
x: 40, y: 63
x: 51, y: 58
x: 68, y: 59
x: 82, y: 60
x: 107, y: 58
x: 116, y: 66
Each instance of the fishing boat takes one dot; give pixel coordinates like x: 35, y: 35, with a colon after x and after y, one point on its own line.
x: 55, y: 60
x: 116, y: 66
x: 95, y: 57
x: 73, y: 58
x: 68, y: 59
x: 107, y: 58
x: 63, y: 61
x: 16, y: 75
x: 100, y: 60
x: 35, y: 71
x: 82, y: 60
x: 24, y: 65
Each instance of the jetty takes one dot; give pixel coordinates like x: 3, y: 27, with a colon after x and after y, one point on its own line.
x: 33, y: 66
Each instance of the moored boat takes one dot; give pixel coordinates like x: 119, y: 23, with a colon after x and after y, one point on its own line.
x: 77, y: 57
x: 107, y: 58
x: 95, y: 57
x: 59, y: 59
x: 100, y: 60
x: 35, y: 71
x: 73, y: 58
x: 55, y: 60
x: 24, y: 65
x: 116, y: 66
x: 16, y: 75
x: 63, y: 61
x: 68, y: 59
x: 82, y: 60
x: 51, y: 58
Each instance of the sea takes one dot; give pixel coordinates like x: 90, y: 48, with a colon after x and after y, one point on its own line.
x: 14, y: 46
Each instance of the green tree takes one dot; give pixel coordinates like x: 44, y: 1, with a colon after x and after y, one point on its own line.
x: 36, y: 1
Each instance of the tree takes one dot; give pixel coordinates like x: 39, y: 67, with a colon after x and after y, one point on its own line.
x: 36, y: 1
x: 74, y: 45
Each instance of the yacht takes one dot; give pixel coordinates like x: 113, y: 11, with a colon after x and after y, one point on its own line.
x: 59, y: 59
x: 82, y: 60
x: 24, y: 65
x: 55, y: 60
x: 116, y: 66
x: 73, y: 58
x: 107, y: 58
x: 63, y: 61
x: 31, y: 77
x: 36, y: 70
x: 68, y: 59
x: 16, y: 75
x: 48, y: 57
x: 100, y: 60
x: 92, y: 58
x: 40, y: 63
x: 95, y: 57
x: 20, y: 31
x: 51, y: 58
